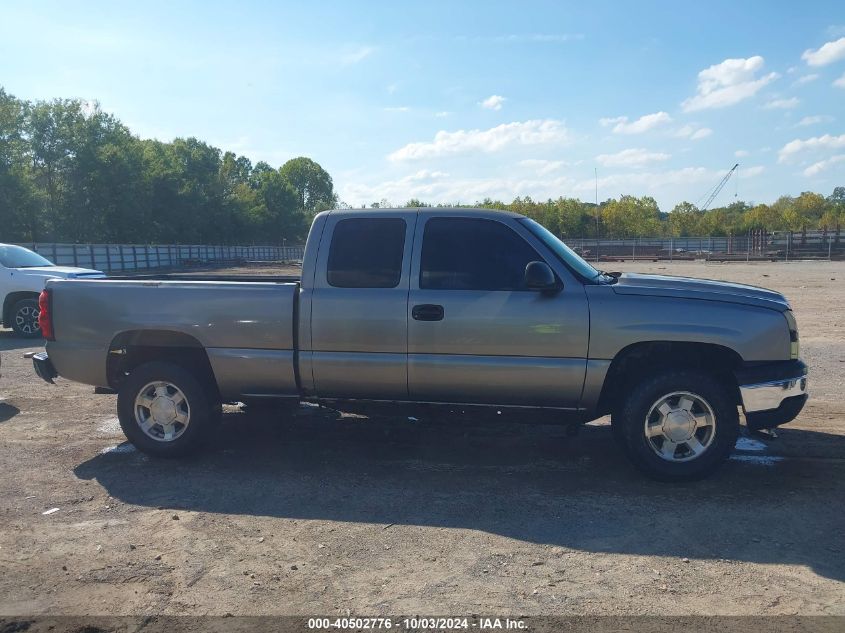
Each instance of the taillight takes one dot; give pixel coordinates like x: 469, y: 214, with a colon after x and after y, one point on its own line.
x: 45, y: 319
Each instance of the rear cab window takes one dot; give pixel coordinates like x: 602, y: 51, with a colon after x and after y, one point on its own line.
x: 366, y: 253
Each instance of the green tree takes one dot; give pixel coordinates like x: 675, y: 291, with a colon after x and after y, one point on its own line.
x: 834, y: 217
x: 684, y: 219
x: 283, y: 218
x: 763, y: 216
x: 312, y: 184
x: 632, y: 217
x: 19, y: 217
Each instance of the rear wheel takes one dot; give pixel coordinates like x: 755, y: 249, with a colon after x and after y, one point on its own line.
x: 678, y: 425
x: 165, y: 411
x: 25, y: 318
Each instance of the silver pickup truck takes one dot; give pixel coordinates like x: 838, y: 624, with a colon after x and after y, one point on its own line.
x: 426, y: 307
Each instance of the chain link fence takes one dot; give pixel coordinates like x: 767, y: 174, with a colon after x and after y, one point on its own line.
x: 755, y: 246
x: 117, y: 258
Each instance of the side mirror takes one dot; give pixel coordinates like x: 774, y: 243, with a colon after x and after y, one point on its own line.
x: 538, y: 276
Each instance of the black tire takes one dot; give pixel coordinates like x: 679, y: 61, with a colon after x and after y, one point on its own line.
x: 204, y: 410
x: 630, y: 425
x: 24, y: 317
x: 616, y: 431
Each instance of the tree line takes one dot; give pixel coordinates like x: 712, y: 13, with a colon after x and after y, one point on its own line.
x: 70, y: 172
x: 631, y: 216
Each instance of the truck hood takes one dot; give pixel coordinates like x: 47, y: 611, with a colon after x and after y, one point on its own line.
x: 706, y: 289
x: 63, y: 272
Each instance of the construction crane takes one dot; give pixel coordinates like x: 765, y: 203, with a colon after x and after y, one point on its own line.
x: 715, y: 192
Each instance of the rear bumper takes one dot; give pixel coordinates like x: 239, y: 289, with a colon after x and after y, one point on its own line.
x: 43, y: 367
x: 772, y: 393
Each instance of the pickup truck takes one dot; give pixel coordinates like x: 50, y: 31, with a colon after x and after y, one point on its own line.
x: 23, y: 274
x: 430, y: 307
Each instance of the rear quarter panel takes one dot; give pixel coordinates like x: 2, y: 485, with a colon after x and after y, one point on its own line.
x: 236, y: 322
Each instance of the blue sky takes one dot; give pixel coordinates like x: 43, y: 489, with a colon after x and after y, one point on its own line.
x: 453, y: 102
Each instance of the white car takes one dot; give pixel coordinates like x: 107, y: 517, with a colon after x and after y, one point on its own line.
x: 23, y: 274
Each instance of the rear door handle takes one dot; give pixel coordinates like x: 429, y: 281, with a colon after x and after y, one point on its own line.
x: 427, y: 312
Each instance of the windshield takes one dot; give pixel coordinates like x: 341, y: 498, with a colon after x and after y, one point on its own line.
x: 19, y: 257
x: 563, y: 252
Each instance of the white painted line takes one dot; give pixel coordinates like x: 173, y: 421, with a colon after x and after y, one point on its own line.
x: 126, y: 447
x: 750, y: 444
x: 761, y: 460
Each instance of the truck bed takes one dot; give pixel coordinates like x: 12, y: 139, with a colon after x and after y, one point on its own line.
x: 246, y: 326
x: 208, y: 276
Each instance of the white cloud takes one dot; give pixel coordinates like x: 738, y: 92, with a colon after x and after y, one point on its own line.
x: 816, y: 168
x: 437, y: 187
x: 397, y: 109
x: 805, y: 79
x: 442, y: 114
x: 727, y: 83
x: 651, y: 181
x: 693, y: 133
x: 604, y: 122
x: 524, y: 133
x: 615, y: 184
x: 643, y: 124
x: 815, y: 143
x: 782, y: 104
x: 493, y: 102
x: 840, y: 83
x: 542, y: 166
x: 740, y: 153
x: 827, y: 54
x: 751, y: 172
x: 631, y: 158
x: 813, y: 120
x: 357, y: 55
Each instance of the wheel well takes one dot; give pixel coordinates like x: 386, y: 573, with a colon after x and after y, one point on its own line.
x: 130, y: 349
x: 639, y: 359
x: 11, y: 299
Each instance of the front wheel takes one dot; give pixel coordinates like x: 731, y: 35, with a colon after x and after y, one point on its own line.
x: 166, y: 412
x: 678, y: 425
x: 25, y: 318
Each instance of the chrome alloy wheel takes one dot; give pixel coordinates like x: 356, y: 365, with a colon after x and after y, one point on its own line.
x: 162, y: 411
x: 27, y: 320
x: 680, y: 426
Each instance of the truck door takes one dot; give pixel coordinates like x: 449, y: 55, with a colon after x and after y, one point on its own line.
x: 359, y: 306
x: 476, y: 334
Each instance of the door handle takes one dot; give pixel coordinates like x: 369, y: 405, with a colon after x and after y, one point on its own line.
x: 427, y: 312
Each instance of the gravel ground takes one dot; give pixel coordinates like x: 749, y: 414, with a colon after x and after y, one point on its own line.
x: 335, y: 514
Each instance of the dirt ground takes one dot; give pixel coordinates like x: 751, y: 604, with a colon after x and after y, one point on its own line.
x: 334, y: 514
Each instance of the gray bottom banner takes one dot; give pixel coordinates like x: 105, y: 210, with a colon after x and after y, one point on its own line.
x: 538, y: 624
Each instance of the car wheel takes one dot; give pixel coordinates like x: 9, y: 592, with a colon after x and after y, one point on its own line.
x: 166, y: 412
x: 678, y: 425
x: 25, y: 318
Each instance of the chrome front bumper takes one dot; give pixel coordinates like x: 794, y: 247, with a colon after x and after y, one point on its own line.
x: 771, y: 394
